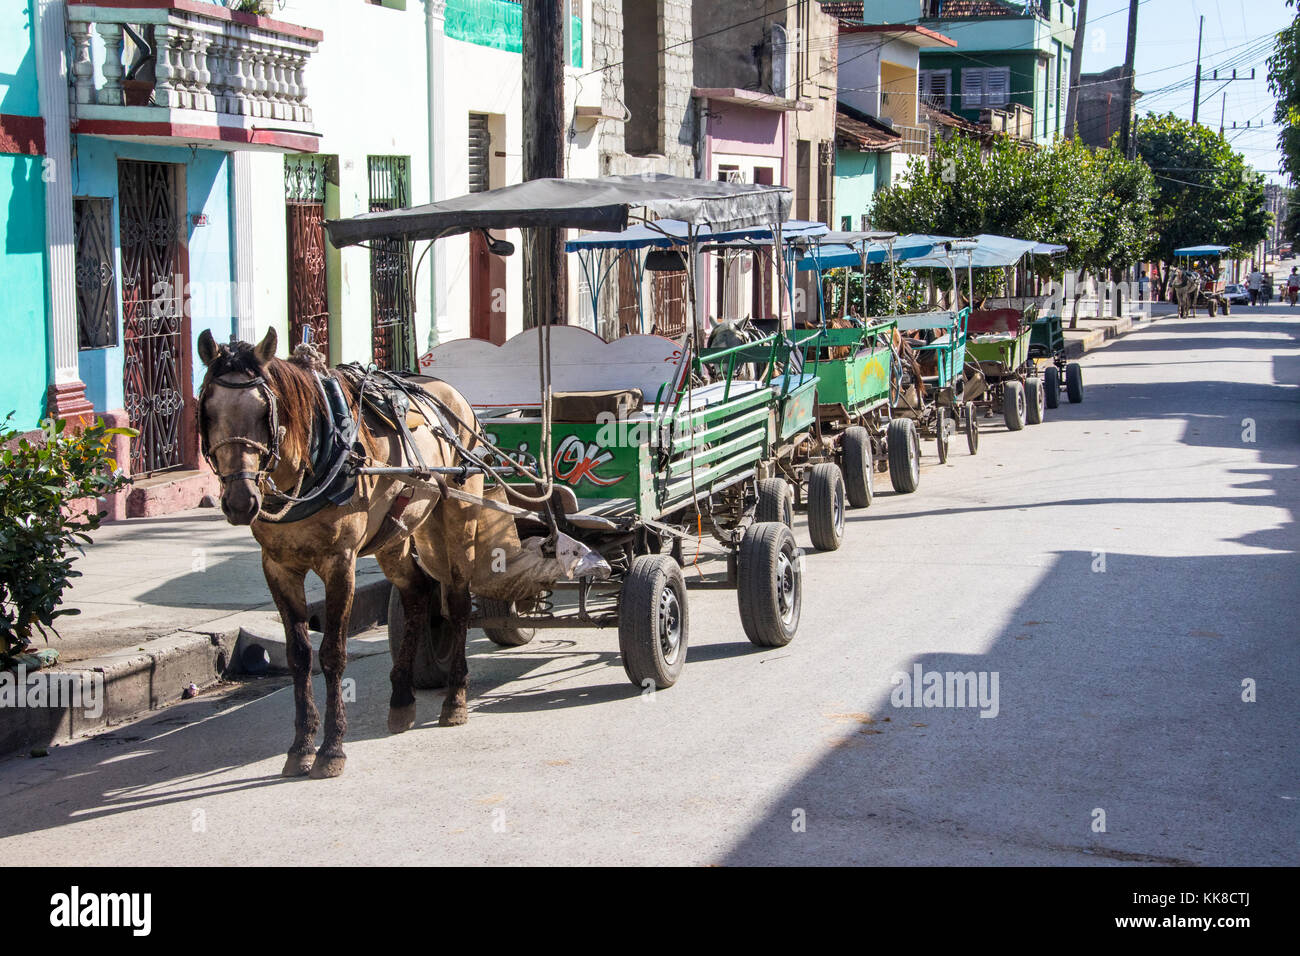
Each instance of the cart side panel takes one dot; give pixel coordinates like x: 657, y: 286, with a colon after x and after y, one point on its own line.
x: 596, y: 461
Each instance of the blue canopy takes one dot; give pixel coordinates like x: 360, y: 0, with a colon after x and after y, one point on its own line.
x: 834, y: 255
x: 665, y: 233
x: 990, y: 252
x: 1193, y: 252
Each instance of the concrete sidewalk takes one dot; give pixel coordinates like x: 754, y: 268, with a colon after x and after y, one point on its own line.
x: 171, y: 601
x: 167, y: 602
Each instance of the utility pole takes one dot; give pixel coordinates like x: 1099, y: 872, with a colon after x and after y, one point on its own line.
x: 545, y: 278
x: 1130, y: 52
x: 1196, y: 91
x: 1223, y: 108
x: 1076, y: 65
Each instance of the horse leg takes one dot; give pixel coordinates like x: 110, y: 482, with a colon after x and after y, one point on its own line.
x: 291, y: 599
x: 459, y: 604
x: 416, y: 591
x: 340, y: 583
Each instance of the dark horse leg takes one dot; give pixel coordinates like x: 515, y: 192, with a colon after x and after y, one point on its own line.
x: 290, y: 598
x: 339, y: 576
x: 459, y: 605
x: 416, y: 591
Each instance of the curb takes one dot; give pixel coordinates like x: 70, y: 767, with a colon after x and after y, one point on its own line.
x: 1094, y: 338
x: 124, y: 685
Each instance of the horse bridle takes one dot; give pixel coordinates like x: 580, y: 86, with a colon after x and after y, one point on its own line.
x: 268, y: 455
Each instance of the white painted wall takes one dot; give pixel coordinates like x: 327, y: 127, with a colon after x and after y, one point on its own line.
x: 369, y: 91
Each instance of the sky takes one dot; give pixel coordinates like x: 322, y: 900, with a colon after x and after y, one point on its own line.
x: 1236, y: 35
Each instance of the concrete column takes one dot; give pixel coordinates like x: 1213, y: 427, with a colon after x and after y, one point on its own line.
x: 241, y: 205
x: 436, y: 261
x: 67, y: 393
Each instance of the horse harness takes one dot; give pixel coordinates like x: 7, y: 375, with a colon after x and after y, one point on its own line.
x: 336, y: 455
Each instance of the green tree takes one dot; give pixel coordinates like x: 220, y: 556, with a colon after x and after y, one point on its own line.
x: 1206, y: 192
x: 1284, y: 83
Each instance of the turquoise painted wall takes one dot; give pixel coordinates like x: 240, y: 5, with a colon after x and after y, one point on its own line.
x: 856, y: 178
x: 500, y: 25
x: 207, y: 188
x: 17, y: 59
x: 22, y: 283
x: 22, y: 226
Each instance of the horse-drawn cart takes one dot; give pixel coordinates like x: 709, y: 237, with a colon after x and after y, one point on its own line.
x: 1190, y: 286
x: 612, y: 449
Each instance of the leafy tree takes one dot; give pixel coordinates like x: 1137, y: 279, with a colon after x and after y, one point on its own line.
x: 39, y: 529
x: 1206, y: 192
x: 1284, y: 83
x: 1095, y: 202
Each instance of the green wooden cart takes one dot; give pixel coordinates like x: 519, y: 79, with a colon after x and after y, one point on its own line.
x: 1000, y: 372
x: 1047, y: 349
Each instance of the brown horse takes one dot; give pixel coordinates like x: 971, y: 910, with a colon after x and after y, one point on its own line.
x: 258, y: 414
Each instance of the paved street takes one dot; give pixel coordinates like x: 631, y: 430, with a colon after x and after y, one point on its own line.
x: 1122, y: 568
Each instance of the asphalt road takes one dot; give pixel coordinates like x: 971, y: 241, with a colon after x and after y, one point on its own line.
x: 1122, y: 568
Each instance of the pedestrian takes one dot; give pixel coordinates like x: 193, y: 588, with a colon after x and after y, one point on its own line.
x: 1255, y: 283
x: 1144, y: 287
x: 1293, y: 286
x: 1268, y: 288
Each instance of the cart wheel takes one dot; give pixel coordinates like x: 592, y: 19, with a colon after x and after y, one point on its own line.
x: 859, y: 466
x: 904, y: 450
x: 1034, y: 399
x: 941, y: 432
x: 972, y: 430
x: 775, y: 501
x: 1051, y: 386
x: 826, y: 506
x: 504, y: 636
x: 1074, y: 383
x: 434, y: 653
x: 652, y: 621
x: 770, y: 584
x: 1013, y: 406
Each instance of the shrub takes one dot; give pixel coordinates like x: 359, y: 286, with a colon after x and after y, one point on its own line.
x: 41, y: 527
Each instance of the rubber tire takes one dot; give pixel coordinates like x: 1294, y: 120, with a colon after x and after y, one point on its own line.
x: 639, y: 638
x: 432, y: 657
x: 1074, y: 383
x: 904, y: 455
x: 941, y: 429
x: 826, y: 502
x: 503, y: 636
x: 1034, y: 401
x: 972, y: 431
x: 758, y: 588
x: 1051, y: 386
x: 859, y: 467
x: 775, y: 501
x: 1013, y: 406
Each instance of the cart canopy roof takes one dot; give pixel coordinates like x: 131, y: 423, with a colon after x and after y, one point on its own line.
x: 595, y: 204
x: 832, y: 254
x: 1049, y: 249
x: 1193, y: 252
x: 991, y: 252
x: 853, y: 238
x: 664, y: 233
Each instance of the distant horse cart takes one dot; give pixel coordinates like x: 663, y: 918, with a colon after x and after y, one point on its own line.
x: 1189, y: 288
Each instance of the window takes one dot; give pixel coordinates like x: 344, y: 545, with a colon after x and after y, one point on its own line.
x: 985, y: 87
x: 96, y: 285
x: 641, y: 133
x: 935, y: 87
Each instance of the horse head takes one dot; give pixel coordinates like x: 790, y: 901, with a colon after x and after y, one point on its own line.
x: 239, y: 429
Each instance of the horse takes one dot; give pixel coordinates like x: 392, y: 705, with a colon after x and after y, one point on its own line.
x: 262, y: 424
x: 1186, y: 287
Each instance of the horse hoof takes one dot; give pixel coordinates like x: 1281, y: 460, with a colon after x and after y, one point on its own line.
x: 296, y: 765
x: 455, y: 717
x: 326, y: 767
x: 401, y: 718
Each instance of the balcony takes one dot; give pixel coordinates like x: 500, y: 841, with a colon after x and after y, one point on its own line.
x: 916, y: 139
x: 1015, y: 120
x: 190, y: 72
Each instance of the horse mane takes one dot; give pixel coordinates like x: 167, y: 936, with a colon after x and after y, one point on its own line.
x: 295, y: 388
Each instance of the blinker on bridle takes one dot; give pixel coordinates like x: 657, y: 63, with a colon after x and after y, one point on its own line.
x: 268, y: 456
